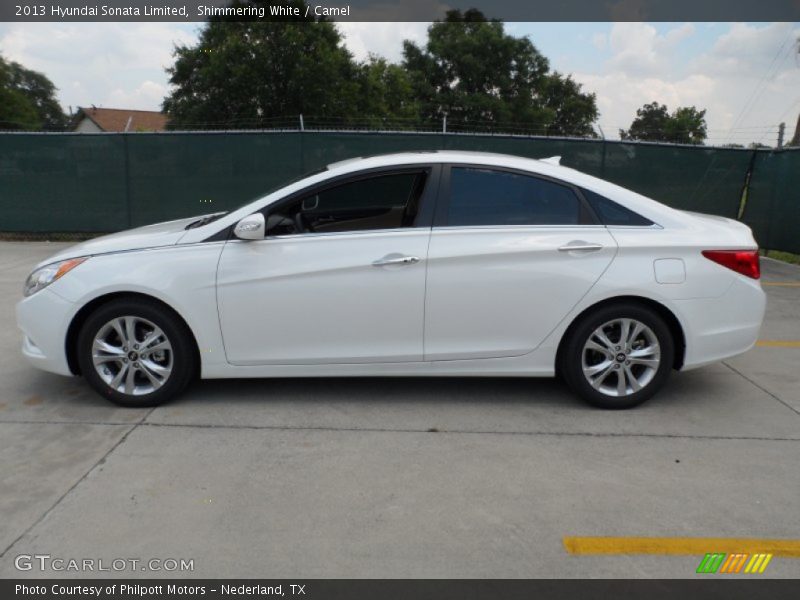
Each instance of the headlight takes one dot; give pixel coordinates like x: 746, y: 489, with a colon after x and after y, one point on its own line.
x: 41, y: 278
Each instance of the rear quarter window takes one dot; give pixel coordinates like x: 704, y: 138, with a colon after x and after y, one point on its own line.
x: 611, y: 213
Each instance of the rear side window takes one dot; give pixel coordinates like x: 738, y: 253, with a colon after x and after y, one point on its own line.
x: 489, y: 197
x: 611, y: 213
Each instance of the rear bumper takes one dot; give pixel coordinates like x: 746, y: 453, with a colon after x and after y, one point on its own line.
x: 44, y: 319
x: 719, y: 328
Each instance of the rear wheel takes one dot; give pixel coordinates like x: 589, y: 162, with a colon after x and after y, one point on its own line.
x: 136, y: 353
x: 619, y: 356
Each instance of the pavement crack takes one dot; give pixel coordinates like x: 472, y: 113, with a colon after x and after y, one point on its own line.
x: 762, y: 388
x: 99, y: 462
x: 443, y: 431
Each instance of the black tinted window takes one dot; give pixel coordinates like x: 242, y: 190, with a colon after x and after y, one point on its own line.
x: 379, y: 202
x: 487, y: 197
x: 611, y: 213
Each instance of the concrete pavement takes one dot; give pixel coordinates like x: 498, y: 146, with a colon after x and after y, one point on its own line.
x: 398, y: 477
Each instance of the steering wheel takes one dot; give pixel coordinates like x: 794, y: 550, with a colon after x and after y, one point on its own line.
x: 299, y: 222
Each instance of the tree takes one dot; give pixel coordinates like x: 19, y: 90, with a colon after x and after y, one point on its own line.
x: 653, y: 122
x: 477, y: 75
x: 242, y: 73
x: 573, y: 111
x: 385, y: 94
x: 27, y: 100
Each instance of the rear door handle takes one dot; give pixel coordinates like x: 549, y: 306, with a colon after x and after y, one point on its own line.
x: 396, y: 260
x: 581, y: 247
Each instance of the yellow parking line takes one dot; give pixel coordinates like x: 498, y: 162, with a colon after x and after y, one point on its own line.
x: 778, y: 343
x: 680, y: 545
x: 781, y: 283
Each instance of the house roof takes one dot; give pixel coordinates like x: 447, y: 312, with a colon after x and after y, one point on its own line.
x: 116, y: 119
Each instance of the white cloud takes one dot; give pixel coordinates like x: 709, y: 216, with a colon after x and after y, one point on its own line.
x: 755, y: 63
x: 383, y: 39
x: 749, y: 77
x: 108, y: 64
x: 600, y: 41
x: 640, y: 50
x: 122, y: 64
x: 148, y: 96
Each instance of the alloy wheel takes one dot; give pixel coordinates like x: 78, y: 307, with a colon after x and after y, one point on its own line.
x: 132, y: 355
x: 621, y: 357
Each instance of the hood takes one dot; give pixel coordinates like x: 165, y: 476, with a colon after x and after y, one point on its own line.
x: 149, y: 236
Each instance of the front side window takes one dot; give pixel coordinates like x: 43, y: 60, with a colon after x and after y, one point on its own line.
x: 380, y: 202
x: 488, y: 197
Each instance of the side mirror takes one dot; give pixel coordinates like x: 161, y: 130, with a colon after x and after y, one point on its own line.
x: 250, y: 228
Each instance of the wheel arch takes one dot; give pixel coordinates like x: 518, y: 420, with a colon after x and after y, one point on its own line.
x: 71, y: 341
x: 674, y: 325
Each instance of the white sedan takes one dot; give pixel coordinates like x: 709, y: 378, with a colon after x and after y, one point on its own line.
x: 416, y: 264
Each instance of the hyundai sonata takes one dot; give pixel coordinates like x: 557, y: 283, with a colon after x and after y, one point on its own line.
x: 417, y: 264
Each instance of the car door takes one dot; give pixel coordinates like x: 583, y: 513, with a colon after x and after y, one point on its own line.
x: 338, y: 278
x: 511, y: 254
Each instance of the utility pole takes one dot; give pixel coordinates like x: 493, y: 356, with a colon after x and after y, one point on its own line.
x: 796, y: 139
x: 781, y: 131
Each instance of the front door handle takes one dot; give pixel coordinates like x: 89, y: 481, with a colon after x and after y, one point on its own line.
x: 395, y: 260
x: 580, y: 246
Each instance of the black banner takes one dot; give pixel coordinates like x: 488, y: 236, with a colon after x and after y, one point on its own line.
x: 400, y: 10
x: 378, y: 589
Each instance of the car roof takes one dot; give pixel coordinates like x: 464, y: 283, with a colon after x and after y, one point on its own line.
x: 428, y: 156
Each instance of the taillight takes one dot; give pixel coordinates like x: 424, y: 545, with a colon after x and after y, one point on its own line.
x: 745, y: 262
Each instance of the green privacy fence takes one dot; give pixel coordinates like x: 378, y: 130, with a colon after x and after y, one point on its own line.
x: 108, y: 182
x: 773, y: 200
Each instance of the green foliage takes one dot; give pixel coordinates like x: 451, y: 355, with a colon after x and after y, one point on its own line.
x: 242, y: 73
x: 385, y: 95
x: 248, y: 73
x: 27, y: 100
x: 653, y: 122
x: 573, y: 111
x: 476, y: 74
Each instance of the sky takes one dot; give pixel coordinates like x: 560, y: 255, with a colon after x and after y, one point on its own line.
x: 747, y: 75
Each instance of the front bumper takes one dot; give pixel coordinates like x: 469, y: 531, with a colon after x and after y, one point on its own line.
x: 44, y: 319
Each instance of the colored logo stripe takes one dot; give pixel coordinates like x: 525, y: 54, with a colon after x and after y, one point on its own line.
x: 758, y: 563
x: 717, y: 561
x: 710, y: 563
x: 734, y: 563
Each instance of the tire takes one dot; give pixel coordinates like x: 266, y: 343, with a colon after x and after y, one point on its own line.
x: 643, y: 364
x: 162, y: 370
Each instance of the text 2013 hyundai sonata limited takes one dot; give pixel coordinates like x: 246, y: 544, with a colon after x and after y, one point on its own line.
x: 443, y: 263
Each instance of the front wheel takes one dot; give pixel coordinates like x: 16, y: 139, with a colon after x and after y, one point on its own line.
x: 619, y: 356
x: 136, y: 353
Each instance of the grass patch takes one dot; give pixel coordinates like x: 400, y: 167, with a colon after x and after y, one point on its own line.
x: 51, y: 236
x: 783, y: 256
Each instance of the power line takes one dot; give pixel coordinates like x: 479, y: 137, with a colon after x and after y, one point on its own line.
x: 761, y: 85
